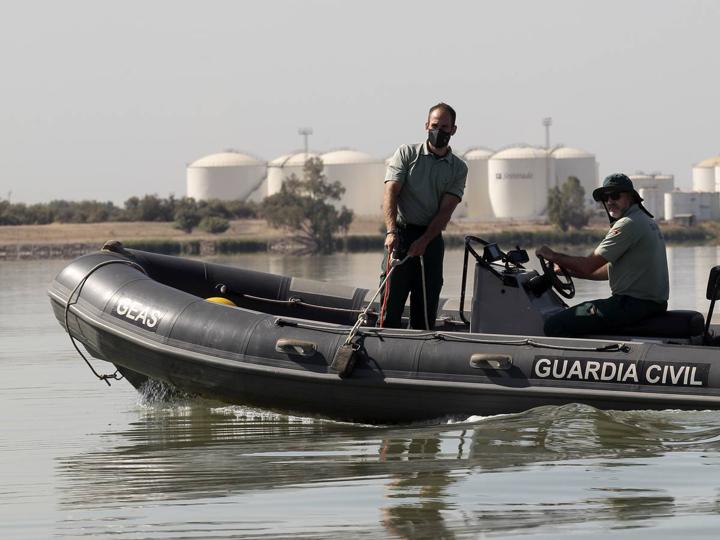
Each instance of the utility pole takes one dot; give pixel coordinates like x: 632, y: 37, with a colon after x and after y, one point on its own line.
x: 305, y: 132
x: 547, y: 122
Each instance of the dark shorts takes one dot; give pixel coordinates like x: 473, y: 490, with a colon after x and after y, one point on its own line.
x: 601, y: 316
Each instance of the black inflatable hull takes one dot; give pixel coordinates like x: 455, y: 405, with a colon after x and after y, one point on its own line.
x: 150, y: 320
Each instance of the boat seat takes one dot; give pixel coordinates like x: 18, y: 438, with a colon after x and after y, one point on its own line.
x: 678, y: 323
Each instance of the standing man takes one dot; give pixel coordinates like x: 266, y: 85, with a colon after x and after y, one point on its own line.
x: 632, y: 256
x: 423, y: 185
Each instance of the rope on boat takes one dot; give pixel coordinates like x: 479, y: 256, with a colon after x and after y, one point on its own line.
x: 362, y: 318
x: 345, y: 356
x: 294, y: 301
x: 612, y: 347
x: 424, y: 288
x: 379, y: 332
x: 106, y: 377
x: 362, y: 313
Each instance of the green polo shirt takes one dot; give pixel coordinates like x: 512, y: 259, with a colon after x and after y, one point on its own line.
x: 635, y: 250
x: 425, y: 178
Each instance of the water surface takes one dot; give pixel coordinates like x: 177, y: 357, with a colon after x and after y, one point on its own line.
x: 79, y: 459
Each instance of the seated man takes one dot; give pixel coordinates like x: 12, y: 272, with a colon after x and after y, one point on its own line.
x: 631, y: 256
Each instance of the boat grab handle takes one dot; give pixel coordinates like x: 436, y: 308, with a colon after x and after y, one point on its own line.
x: 491, y: 361
x: 295, y: 346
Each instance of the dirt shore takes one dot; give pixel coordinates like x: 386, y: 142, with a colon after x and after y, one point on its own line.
x: 57, y: 233
x: 65, y: 233
x: 70, y: 240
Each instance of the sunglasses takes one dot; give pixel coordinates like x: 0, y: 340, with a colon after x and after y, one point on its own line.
x: 614, y: 196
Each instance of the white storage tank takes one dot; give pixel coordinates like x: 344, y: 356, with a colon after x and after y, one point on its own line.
x: 578, y: 163
x: 282, y: 167
x: 703, y: 205
x: 665, y: 182
x: 678, y: 203
x: 641, y: 180
x: 361, y: 175
x: 654, y: 201
x: 703, y: 174
x: 518, y: 182
x: 226, y: 175
x: 709, y: 206
x: 661, y: 183
x: 476, y: 199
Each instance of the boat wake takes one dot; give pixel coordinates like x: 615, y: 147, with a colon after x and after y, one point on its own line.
x: 568, y: 430
x: 153, y: 393
x: 577, y: 430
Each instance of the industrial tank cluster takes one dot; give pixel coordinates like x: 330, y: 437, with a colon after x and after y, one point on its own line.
x: 228, y: 175
x: 520, y: 177
x: 706, y: 175
x: 233, y: 175
x: 654, y: 189
x: 666, y: 202
x: 512, y: 183
x: 703, y: 202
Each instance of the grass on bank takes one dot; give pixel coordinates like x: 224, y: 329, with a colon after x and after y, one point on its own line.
x: 374, y: 242
x: 247, y: 236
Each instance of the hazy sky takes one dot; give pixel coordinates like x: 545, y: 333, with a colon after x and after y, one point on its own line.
x: 105, y: 100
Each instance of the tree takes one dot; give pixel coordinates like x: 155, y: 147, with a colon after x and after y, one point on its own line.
x: 150, y: 208
x: 186, y: 219
x: 238, y: 209
x: 566, y: 205
x: 214, y: 224
x: 304, y: 207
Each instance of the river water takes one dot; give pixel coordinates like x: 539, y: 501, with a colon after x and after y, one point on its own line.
x: 79, y: 459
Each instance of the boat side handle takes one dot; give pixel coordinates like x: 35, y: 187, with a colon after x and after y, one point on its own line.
x: 491, y: 361
x: 295, y: 346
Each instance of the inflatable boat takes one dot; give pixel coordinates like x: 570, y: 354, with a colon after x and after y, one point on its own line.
x: 313, y: 348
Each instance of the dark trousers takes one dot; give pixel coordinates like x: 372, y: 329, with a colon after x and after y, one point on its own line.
x: 601, y: 316
x: 406, y: 279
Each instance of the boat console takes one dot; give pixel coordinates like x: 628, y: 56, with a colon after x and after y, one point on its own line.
x: 511, y: 299
x: 507, y: 297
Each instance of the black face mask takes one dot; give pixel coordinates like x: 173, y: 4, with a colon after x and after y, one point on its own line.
x: 439, y: 138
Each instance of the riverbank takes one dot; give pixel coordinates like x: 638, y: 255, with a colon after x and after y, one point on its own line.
x: 66, y: 241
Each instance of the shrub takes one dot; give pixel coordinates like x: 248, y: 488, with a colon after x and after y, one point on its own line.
x: 214, y: 225
x: 186, y: 220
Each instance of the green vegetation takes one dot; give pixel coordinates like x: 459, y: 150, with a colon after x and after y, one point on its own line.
x: 223, y: 246
x: 228, y: 246
x: 166, y: 247
x: 374, y: 242
x: 184, y: 211
x: 214, y: 224
x: 566, y: 205
x: 186, y: 219
x: 58, y: 212
x: 304, y: 209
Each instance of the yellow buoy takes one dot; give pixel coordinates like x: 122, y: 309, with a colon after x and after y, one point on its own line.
x: 221, y: 300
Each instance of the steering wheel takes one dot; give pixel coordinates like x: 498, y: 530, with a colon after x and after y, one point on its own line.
x: 564, y: 286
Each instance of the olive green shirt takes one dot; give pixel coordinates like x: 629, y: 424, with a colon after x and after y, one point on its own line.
x: 635, y: 250
x: 425, y: 178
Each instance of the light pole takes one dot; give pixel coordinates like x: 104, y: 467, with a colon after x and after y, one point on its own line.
x: 305, y: 132
x: 547, y: 122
